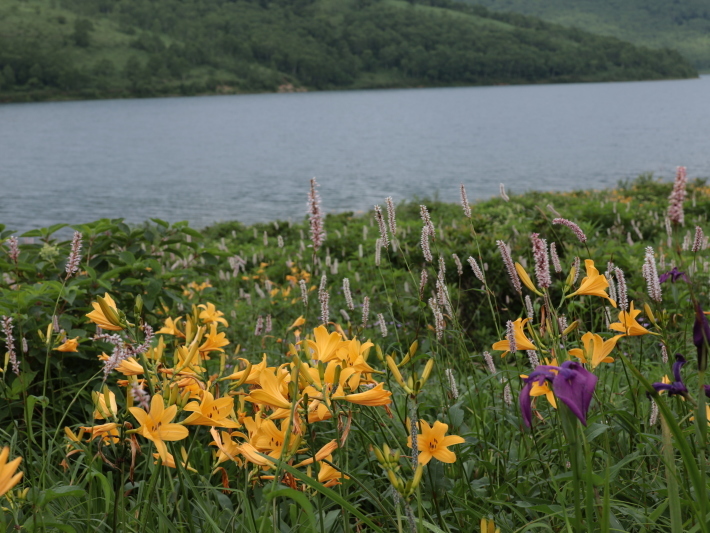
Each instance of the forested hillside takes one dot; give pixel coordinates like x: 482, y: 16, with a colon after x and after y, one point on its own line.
x: 683, y: 25
x: 114, y: 48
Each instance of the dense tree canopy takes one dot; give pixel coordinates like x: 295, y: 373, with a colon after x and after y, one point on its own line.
x: 97, y: 48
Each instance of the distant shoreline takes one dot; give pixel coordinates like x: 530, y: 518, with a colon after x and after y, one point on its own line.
x: 27, y: 98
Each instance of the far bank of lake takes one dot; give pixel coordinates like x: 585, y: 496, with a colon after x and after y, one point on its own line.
x: 249, y: 157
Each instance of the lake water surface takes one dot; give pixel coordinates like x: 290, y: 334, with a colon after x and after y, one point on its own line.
x: 249, y: 157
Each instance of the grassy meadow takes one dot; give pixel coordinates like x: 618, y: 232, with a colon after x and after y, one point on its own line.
x: 414, y: 369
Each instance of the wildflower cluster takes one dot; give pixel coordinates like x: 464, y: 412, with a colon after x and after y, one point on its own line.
x: 258, y: 414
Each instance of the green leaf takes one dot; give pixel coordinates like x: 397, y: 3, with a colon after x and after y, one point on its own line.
x: 160, y: 222
x: 594, y: 430
x: 299, y: 498
x: 192, y: 232
x: 105, y: 487
x: 127, y: 257
x: 49, y: 495
x: 42, y: 523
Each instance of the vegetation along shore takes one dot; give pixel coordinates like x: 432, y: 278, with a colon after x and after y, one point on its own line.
x: 73, y: 49
x: 529, y: 362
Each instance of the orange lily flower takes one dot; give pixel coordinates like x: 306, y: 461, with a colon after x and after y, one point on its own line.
x: 105, y: 314
x: 593, y: 284
x: 157, y: 424
x: 270, y: 392
x: 325, y: 343
x: 214, y: 342
x: 628, y: 325
x: 70, y: 345
x: 521, y: 340
x: 373, y: 397
x: 432, y: 442
x: 211, y: 412
x: 210, y: 315
x: 596, y: 350
x: 8, y: 478
x: 328, y: 475
x: 171, y: 328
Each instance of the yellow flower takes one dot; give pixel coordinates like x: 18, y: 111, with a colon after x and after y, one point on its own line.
x: 214, y: 341
x: 128, y: 367
x: 193, y: 285
x: 211, y: 412
x: 596, y: 350
x: 108, y: 432
x: 324, y: 453
x: 251, y: 454
x: 70, y: 345
x: 156, y: 352
x: 227, y: 448
x: 210, y: 315
x: 373, y: 397
x: 157, y: 425
x: 252, y: 377
x: 628, y: 325
x: 270, y: 439
x: 8, y: 478
x: 351, y: 354
x: 325, y: 343
x: 103, y: 411
x: 270, y: 392
x: 105, y: 314
x: 170, y: 460
x: 297, y: 323
x: 72, y: 436
x: 525, y: 278
x: 328, y: 475
x: 432, y: 443
x: 489, y: 526
x: 543, y: 389
x: 171, y: 328
x: 185, y: 362
x: 667, y: 381
x: 347, y: 378
x: 593, y: 284
x: 521, y: 341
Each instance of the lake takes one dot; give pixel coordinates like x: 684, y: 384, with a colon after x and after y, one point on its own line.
x: 250, y: 157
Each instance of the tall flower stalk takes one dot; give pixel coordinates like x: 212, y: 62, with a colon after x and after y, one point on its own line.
x: 315, y: 217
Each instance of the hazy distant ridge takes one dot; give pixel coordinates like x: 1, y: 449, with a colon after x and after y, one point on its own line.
x: 683, y: 25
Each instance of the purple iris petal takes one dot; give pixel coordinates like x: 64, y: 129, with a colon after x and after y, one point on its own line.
x: 677, y: 387
x: 674, y: 275
x: 541, y: 374
x: 526, y: 402
x: 679, y: 362
x: 574, y: 385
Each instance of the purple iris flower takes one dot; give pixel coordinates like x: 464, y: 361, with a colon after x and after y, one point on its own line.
x: 677, y: 387
x: 572, y: 383
x: 674, y: 275
x: 701, y: 336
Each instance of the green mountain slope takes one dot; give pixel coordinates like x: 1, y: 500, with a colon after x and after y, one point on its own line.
x: 114, y: 48
x: 683, y: 25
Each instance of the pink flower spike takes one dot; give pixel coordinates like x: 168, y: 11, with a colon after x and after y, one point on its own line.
x: 574, y: 227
